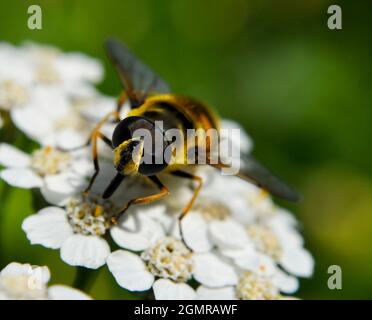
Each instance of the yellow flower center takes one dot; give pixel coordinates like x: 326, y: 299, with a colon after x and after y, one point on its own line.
x: 49, y: 161
x: 169, y: 259
x: 262, y: 203
x: 212, y: 210
x: 12, y: 95
x: 254, y: 287
x: 90, y: 215
x: 265, y: 240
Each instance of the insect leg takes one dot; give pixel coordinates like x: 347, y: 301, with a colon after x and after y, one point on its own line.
x: 114, y: 184
x: 163, y: 192
x: 197, y: 179
x: 95, y: 135
x: 95, y: 129
x: 120, y: 103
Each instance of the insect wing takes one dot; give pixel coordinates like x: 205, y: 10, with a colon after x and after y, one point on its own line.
x: 137, y: 79
x: 253, y: 171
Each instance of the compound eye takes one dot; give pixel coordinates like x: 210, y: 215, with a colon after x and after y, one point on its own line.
x: 126, y: 127
x: 155, y: 162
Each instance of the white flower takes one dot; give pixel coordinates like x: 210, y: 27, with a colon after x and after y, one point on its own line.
x: 15, y: 77
x: 41, y: 87
x: 245, y: 201
x: 51, y: 118
x: 263, y: 282
x: 24, y: 68
x: 262, y: 246
x: 169, y: 259
x: 13, y: 93
x: 165, y: 289
x: 51, y: 66
x: 25, y: 282
x: 54, y: 171
x: 77, y: 230
x: 222, y: 198
x: 250, y: 286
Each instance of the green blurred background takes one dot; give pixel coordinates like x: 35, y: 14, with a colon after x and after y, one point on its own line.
x: 302, y: 91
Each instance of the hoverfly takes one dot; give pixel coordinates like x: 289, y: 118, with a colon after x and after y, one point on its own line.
x: 150, y: 101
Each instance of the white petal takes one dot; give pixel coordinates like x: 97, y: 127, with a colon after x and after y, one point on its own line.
x: 226, y: 293
x: 53, y: 197
x: 12, y: 157
x: 284, y: 282
x: 97, y: 106
x: 298, y: 261
x: 195, y: 232
x: 15, y: 269
x: 49, y: 227
x: 266, y: 266
x: 129, y: 271
x: 21, y: 178
x: 159, y: 214
x: 246, y: 258
x: 49, y: 101
x: 82, y: 165
x: 165, y: 289
x: 68, y: 138
x: 85, y: 251
x: 79, y: 90
x: 286, y: 234
x: 61, y: 292
x: 78, y: 67
x: 137, y: 232
x: 283, y: 218
x: 41, y: 274
x: 212, y: 271
x: 57, y: 189
x: 229, y: 234
x: 37, y: 126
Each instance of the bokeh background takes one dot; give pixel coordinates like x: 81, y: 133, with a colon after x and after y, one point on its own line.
x: 302, y: 91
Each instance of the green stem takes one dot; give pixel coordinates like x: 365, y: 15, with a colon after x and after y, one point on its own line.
x: 85, y: 278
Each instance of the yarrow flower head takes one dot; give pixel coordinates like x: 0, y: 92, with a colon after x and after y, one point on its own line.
x: 56, y: 173
x: 77, y: 230
x: 80, y: 228
x: 159, y: 255
x: 169, y: 258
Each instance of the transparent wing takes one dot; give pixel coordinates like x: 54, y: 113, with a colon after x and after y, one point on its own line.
x: 253, y: 171
x: 138, y: 79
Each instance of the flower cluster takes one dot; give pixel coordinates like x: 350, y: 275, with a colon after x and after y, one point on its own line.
x: 25, y: 282
x: 236, y: 244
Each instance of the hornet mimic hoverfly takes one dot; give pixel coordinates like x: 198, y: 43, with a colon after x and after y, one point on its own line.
x: 151, y: 101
